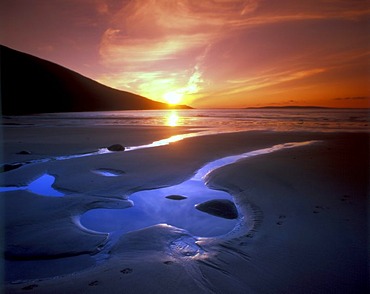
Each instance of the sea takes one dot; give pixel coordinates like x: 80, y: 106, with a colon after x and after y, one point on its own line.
x: 221, y: 120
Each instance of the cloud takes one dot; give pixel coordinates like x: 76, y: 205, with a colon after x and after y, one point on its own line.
x: 226, y: 46
x: 101, y: 7
x: 117, y: 49
x: 264, y: 80
x: 149, y: 35
x: 352, y: 98
x: 194, y: 82
x: 152, y: 84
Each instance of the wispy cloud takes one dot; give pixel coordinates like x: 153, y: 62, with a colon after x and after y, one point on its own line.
x: 352, y: 98
x: 227, y: 46
x: 154, y: 35
x: 265, y: 80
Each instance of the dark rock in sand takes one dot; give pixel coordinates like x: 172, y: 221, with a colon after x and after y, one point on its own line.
x: 176, y: 197
x: 116, y: 147
x: 7, y: 167
x: 24, y: 152
x: 219, y: 207
x: 30, y: 287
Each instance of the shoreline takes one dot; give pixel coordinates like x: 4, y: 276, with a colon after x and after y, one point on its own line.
x: 330, y: 179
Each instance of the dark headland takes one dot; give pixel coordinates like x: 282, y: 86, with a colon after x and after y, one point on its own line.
x: 33, y: 85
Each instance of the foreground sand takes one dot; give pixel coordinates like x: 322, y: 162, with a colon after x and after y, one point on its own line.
x: 304, y: 224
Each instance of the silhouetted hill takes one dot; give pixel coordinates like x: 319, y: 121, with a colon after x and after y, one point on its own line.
x: 33, y: 85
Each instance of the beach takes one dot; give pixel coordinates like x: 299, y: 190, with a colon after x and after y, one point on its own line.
x: 302, y: 212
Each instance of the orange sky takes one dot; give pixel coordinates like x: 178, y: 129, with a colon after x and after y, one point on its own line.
x: 208, y: 53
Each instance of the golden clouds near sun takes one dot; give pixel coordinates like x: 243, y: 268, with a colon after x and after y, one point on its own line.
x: 173, y: 97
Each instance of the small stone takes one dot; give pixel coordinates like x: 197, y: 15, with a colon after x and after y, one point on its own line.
x: 24, y: 152
x: 7, y: 167
x: 30, y: 287
x: 176, y: 197
x: 219, y: 207
x: 116, y: 147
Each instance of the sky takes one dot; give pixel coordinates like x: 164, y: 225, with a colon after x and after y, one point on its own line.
x: 205, y: 53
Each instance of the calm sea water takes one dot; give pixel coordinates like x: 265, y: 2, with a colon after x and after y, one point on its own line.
x: 220, y: 119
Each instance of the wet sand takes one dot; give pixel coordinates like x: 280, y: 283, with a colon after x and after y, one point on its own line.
x: 303, y: 213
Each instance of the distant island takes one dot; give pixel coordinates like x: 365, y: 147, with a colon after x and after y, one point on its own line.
x: 31, y: 85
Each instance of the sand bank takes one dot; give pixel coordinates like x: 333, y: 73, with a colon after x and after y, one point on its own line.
x: 303, y: 214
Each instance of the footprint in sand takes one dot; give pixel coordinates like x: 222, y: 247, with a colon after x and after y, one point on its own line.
x: 346, y: 199
x: 319, y: 208
x: 281, y: 218
x: 94, y: 283
x: 127, y: 271
x: 168, y: 262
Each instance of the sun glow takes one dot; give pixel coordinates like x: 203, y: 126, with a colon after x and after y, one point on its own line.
x: 173, y: 97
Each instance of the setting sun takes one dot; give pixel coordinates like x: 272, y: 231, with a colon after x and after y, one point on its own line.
x: 173, y: 97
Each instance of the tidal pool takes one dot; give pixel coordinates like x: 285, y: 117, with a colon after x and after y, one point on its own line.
x: 174, y: 205
x: 153, y: 207
x: 40, y: 186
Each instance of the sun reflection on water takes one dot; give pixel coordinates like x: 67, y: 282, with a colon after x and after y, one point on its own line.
x: 172, y: 119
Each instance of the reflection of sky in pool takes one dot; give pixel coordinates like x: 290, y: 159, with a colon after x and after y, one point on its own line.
x: 152, y: 207
x: 40, y: 186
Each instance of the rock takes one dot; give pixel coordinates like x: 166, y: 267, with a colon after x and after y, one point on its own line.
x: 116, y: 147
x: 30, y: 287
x: 7, y: 167
x: 176, y: 197
x: 24, y: 152
x: 219, y: 207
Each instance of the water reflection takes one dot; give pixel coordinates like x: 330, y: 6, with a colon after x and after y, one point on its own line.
x: 41, y: 186
x: 280, y: 119
x: 153, y: 207
x: 169, y: 140
x: 172, y: 119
